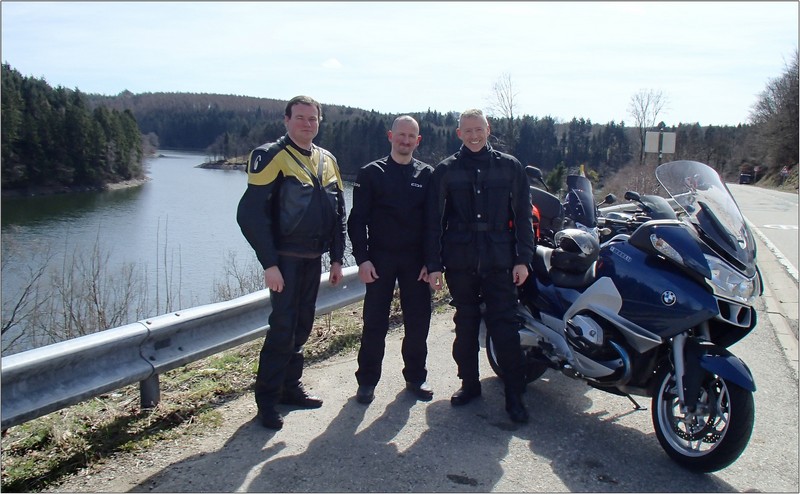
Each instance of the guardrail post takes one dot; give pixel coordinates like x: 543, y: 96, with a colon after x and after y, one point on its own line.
x: 150, y: 392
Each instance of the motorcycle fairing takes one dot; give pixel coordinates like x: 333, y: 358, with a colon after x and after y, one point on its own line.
x: 681, y: 238
x: 604, y: 300
x: 644, y: 297
x: 551, y: 212
x: 716, y: 360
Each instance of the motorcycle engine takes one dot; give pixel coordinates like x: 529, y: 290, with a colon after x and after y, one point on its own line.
x: 585, y: 334
x: 591, y: 341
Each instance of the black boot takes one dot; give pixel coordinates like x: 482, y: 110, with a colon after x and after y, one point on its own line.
x: 270, y: 418
x: 516, y: 408
x: 466, y: 393
x: 300, y: 397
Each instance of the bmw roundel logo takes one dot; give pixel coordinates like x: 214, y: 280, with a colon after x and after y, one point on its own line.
x: 669, y: 298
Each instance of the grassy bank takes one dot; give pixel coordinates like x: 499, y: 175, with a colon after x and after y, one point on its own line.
x: 43, y: 451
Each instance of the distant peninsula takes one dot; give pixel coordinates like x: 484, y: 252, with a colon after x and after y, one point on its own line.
x: 237, y: 163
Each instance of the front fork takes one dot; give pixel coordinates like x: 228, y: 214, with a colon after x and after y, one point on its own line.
x: 679, y: 352
x: 693, y: 357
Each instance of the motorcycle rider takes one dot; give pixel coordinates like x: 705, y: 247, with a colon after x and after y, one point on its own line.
x: 386, y: 230
x: 291, y: 212
x: 479, y: 233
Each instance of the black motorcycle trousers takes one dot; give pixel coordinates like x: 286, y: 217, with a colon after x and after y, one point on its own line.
x: 497, y: 292
x: 415, y: 303
x: 280, y: 364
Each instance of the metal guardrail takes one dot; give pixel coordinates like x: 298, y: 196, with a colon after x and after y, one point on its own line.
x: 49, y: 378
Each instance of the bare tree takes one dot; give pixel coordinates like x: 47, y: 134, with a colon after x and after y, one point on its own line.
x: 241, y: 278
x: 19, y: 307
x: 79, y: 295
x: 776, y: 114
x: 645, y: 107
x: 503, y: 106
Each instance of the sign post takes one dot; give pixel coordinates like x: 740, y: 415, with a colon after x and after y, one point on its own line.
x: 659, y: 142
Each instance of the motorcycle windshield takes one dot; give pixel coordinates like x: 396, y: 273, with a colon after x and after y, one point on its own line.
x: 708, y: 204
x: 580, y: 201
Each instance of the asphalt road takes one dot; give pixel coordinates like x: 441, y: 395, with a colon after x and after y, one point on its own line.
x: 774, y: 216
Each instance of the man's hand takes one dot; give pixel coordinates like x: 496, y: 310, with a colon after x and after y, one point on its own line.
x: 435, y: 280
x: 273, y: 279
x: 423, y: 274
x: 335, y: 275
x: 520, y: 274
x: 366, y: 272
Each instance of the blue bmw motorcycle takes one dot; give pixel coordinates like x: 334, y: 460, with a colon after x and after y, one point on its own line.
x: 653, y: 314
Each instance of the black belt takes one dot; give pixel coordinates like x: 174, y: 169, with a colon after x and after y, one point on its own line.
x: 303, y: 245
x: 479, y: 227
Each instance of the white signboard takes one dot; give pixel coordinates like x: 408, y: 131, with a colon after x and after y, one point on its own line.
x: 667, y: 142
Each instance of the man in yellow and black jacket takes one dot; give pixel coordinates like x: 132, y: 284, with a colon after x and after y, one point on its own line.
x: 291, y: 213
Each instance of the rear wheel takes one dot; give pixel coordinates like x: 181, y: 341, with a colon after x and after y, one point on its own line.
x: 715, y: 434
x: 533, y: 368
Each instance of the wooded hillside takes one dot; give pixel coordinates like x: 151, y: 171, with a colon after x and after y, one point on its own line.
x: 54, y: 138
x: 63, y: 136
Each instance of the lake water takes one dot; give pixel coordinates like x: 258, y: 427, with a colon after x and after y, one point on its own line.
x: 180, y: 226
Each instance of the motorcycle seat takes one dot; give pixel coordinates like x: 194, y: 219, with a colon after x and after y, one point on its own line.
x: 560, y: 268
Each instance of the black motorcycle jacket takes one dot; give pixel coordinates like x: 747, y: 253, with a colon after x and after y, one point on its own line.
x: 389, y: 203
x: 478, y: 213
x: 293, y: 204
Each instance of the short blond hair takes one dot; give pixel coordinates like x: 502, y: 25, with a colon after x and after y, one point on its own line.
x: 472, y: 113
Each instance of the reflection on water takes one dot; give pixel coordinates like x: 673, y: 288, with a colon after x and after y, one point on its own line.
x: 43, y: 209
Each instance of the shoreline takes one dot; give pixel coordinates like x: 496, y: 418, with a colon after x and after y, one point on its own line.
x: 65, y: 189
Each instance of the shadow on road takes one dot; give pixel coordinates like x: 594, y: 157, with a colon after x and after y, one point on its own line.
x: 433, y: 447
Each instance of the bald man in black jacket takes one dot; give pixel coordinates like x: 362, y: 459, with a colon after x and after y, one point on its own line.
x: 386, y: 227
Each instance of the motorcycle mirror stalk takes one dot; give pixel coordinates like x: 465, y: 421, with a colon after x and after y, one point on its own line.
x: 535, y: 175
x: 609, y: 199
x: 633, y: 196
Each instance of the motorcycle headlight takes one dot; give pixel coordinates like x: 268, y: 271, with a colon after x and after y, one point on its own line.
x: 731, y: 284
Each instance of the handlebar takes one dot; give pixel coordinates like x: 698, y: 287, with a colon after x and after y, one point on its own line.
x: 631, y: 223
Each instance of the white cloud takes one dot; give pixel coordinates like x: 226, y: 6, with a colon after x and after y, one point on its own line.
x: 332, y: 63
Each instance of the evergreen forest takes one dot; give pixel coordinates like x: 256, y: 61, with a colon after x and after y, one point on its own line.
x: 57, y: 136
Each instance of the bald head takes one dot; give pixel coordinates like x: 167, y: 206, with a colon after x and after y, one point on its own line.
x: 404, y: 119
x: 405, y: 138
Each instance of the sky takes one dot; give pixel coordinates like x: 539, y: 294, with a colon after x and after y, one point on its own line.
x: 710, y: 60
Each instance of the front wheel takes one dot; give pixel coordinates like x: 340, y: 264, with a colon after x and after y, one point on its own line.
x: 533, y: 368
x: 715, y: 434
